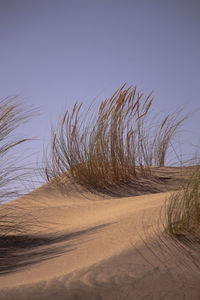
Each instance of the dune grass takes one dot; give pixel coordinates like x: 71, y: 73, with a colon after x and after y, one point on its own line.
x: 13, y: 114
x: 183, y: 209
x: 112, y: 145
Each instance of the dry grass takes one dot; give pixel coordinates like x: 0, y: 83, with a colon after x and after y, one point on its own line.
x: 113, y: 145
x: 183, y: 209
x: 12, y: 115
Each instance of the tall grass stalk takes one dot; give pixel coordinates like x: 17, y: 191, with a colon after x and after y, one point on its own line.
x: 183, y: 209
x: 13, y: 114
x: 114, y: 145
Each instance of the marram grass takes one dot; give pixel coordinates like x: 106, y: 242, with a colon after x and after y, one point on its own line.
x: 113, y: 145
x: 13, y: 114
x: 183, y: 209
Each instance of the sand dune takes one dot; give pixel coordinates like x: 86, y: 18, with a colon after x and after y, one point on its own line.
x: 94, y: 247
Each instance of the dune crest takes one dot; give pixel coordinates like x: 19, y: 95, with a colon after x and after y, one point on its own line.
x: 88, y: 246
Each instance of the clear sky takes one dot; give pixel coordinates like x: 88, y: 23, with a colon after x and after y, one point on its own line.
x: 56, y: 52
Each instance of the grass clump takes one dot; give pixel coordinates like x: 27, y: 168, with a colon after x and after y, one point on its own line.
x: 113, y: 145
x: 183, y: 209
x: 12, y: 115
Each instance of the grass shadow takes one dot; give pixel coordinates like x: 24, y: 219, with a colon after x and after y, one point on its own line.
x: 20, y: 251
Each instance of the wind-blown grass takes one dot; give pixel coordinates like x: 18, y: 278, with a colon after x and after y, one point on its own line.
x: 183, y: 209
x: 113, y: 145
x: 13, y: 114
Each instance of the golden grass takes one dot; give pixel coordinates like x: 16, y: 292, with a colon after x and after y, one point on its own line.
x: 183, y: 209
x: 113, y: 145
x: 12, y: 115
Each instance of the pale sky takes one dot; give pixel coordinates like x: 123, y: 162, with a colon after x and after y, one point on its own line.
x: 56, y: 52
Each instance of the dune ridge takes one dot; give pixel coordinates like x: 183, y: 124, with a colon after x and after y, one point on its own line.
x: 86, y: 246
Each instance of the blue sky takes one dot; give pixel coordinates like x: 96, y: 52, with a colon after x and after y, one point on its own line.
x: 56, y: 52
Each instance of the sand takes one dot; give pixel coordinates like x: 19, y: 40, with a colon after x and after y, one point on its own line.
x: 84, y: 246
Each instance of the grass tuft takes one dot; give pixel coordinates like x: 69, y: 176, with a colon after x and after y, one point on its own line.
x: 183, y: 209
x: 13, y: 114
x: 113, y: 145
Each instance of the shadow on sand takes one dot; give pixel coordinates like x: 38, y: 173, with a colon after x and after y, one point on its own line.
x: 19, y: 251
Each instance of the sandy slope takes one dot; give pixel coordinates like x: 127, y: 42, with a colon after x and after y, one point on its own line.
x: 96, y: 248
